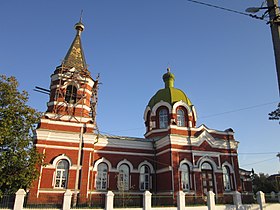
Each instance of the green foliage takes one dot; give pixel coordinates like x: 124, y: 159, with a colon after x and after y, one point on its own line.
x: 18, y: 157
x: 275, y: 115
x: 262, y: 183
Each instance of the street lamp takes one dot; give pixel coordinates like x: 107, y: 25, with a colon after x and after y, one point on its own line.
x: 274, y: 20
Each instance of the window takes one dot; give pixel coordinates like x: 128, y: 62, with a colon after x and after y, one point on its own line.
x: 101, y: 177
x: 207, y: 177
x: 61, y: 174
x: 123, y: 178
x: 71, y: 94
x: 185, y: 180
x: 226, y: 178
x: 163, y: 118
x: 144, y: 177
x: 181, y: 118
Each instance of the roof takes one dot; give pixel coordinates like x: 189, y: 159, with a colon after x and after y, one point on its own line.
x: 75, y: 55
x: 169, y: 94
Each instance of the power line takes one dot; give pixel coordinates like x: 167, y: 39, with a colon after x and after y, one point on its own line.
x: 256, y: 153
x: 258, y: 162
x: 238, y: 110
x: 225, y: 9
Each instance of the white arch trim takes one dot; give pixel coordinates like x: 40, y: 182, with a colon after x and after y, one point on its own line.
x: 146, y: 112
x: 159, y: 104
x: 148, y: 164
x: 182, y: 104
x: 229, y: 166
x: 209, y: 160
x: 185, y: 161
x: 102, y: 160
x: 61, y: 157
x: 125, y: 161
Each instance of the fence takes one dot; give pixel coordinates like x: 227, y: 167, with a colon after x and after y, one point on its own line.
x: 147, y: 201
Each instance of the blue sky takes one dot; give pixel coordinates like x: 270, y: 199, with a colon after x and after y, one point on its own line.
x: 223, y: 61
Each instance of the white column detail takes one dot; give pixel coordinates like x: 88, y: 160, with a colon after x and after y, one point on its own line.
x: 67, y: 200
x: 211, y: 200
x: 181, y: 200
x: 20, y: 194
x: 109, y: 202
x: 147, y: 200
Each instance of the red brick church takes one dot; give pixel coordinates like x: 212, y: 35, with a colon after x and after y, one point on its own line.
x: 174, y: 155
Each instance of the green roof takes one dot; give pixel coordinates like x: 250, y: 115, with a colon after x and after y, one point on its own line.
x: 169, y: 94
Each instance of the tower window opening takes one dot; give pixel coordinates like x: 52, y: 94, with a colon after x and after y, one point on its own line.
x: 71, y: 94
x: 181, y: 118
x: 163, y: 118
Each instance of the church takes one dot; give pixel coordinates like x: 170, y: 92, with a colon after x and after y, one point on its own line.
x: 174, y: 155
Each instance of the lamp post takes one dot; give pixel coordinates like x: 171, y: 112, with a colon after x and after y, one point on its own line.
x: 274, y: 20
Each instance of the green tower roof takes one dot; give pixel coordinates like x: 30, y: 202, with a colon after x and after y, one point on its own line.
x: 169, y: 94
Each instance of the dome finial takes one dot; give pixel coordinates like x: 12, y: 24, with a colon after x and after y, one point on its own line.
x: 168, y: 69
x: 168, y: 79
x: 80, y: 26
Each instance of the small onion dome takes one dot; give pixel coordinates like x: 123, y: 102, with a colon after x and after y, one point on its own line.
x: 169, y: 94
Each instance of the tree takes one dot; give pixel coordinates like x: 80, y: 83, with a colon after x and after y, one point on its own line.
x: 262, y: 183
x: 18, y: 157
x: 275, y: 115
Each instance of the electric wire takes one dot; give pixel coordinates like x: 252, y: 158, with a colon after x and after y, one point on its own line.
x: 238, y: 110
x: 203, y: 117
x: 253, y: 153
x: 225, y: 9
x: 258, y: 162
x: 256, y: 153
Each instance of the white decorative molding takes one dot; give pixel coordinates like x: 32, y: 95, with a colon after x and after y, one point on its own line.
x: 161, y: 104
x: 61, y: 157
x: 182, y: 104
x: 122, y: 152
x: 185, y: 161
x: 125, y: 161
x: 102, y: 160
x: 148, y: 164
x: 229, y: 166
x: 209, y: 160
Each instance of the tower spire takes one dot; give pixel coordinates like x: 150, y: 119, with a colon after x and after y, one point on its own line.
x: 75, y: 55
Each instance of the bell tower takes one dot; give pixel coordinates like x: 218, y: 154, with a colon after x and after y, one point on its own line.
x: 73, y: 92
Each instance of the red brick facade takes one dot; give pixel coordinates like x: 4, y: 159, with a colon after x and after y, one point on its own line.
x: 174, y: 155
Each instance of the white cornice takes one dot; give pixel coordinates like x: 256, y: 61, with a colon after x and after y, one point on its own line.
x: 123, y: 143
x: 60, y: 136
x: 122, y: 153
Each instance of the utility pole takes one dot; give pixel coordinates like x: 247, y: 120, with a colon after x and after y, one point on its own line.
x: 273, y: 11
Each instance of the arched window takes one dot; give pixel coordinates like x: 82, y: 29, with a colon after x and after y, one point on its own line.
x: 185, y: 177
x: 181, y: 118
x: 71, y: 94
x: 144, y: 177
x: 123, y: 178
x: 61, y: 174
x: 207, y: 177
x: 101, y: 177
x: 226, y: 178
x: 163, y: 118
